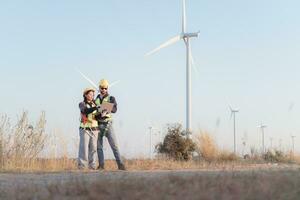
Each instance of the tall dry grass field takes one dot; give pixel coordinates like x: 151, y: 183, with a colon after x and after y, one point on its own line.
x: 21, y: 146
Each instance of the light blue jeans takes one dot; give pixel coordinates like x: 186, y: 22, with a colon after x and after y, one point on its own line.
x: 106, y: 129
x: 87, y: 156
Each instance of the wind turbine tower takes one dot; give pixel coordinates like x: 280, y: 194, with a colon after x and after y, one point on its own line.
x: 262, y: 127
x: 233, y: 112
x: 185, y: 36
x: 150, y: 141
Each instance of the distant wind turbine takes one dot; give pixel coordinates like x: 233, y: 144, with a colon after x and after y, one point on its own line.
x: 262, y: 127
x: 233, y: 112
x: 185, y: 36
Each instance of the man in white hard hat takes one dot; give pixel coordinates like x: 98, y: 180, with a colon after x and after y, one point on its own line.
x: 106, y: 126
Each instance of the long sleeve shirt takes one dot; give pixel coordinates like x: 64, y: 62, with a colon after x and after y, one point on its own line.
x: 85, y: 110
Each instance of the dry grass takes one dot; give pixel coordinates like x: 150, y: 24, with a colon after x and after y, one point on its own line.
x: 66, y: 164
x: 206, y: 146
x: 21, y: 144
x: 208, y: 150
x: 219, y: 174
x: 20, y: 150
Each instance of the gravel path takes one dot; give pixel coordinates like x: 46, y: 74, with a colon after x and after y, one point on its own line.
x: 177, y: 184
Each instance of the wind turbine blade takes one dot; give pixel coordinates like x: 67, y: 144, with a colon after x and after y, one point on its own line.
x: 168, y: 43
x: 183, y: 17
x: 114, y: 83
x: 89, y: 80
x: 231, y: 110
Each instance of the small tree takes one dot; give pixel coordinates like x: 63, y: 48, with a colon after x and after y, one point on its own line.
x: 176, y: 144
x: 23, y: 141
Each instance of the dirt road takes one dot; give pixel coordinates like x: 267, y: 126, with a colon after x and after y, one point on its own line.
x: 272, y: 183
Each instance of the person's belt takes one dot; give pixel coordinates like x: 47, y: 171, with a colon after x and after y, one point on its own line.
x: 89, y: 129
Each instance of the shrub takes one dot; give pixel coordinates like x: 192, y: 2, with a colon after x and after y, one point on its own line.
x: 275, y: 156
x: 176, y: 144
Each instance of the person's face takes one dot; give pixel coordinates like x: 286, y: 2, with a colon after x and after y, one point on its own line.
x: 89, y: 96
x: 103, y: 90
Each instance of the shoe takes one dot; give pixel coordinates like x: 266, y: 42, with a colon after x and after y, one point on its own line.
x: 81, y: 168
x: 100, y: 167
x: 92, y: 168
x: 121, y: 167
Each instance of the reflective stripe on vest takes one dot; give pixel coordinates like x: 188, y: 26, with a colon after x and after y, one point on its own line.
x: 89, y: 121
x: 98, y: 103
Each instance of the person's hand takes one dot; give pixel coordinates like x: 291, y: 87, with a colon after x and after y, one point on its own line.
x: 98, y: 109
x: 104, y: 112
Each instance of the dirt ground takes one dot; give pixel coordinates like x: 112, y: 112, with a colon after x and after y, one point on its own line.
x: 273, y: 182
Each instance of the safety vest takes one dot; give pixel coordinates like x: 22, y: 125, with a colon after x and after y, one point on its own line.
x: 98, y: 102
x: 89, y: 121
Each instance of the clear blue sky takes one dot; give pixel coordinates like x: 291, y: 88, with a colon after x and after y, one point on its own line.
x: 247, y: 54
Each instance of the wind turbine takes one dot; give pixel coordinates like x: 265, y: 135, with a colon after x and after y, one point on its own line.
x: 150, y: 141
x: 262, y: 127
x: 233, y: 112
x: 185, y: 36
x: 153, y: 134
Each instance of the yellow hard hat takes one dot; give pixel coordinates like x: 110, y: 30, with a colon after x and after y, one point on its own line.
x: 86, y: 90
x: 104, y: 83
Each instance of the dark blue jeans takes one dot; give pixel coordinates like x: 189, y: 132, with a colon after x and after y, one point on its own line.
x: 106, y: 129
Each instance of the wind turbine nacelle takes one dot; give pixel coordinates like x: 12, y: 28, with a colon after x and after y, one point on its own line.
x: 189, y: 35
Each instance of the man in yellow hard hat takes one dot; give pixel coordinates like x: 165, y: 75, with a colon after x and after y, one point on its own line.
x: 106, y: 125
x: 88, y: 131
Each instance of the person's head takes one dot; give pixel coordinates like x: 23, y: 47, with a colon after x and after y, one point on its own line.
x: 103, y: 86
x: 88, y: 94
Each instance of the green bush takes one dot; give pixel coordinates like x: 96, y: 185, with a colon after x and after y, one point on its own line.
x: 176, y: 144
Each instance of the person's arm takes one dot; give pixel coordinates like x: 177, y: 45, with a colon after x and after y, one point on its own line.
x: 85, y: 110
x: 115, y: 108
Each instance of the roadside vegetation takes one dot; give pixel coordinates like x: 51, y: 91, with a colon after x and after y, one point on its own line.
x: 27, y: 147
